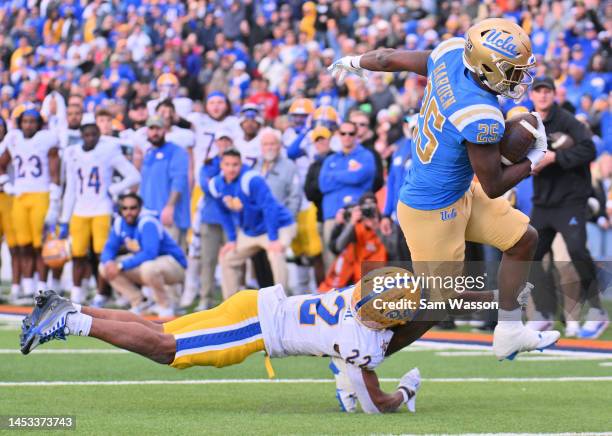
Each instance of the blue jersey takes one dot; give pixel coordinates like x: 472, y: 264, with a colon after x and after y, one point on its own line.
x: 455, y: 109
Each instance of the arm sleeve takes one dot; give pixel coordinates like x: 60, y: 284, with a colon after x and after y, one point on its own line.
x: 356, y: 377
x: 294, y: 198
x: 179, y: 170
x: 580, y: 154
x: 327, y: 182
x: 294, y: 150
x: 111, y: 248
x: 341, y: 239
x: 131, y: 176
x: 391, y: 195
x: 264, y: 199
x: 149, y: 249
x: 69, y: 195
x: 311, y: 185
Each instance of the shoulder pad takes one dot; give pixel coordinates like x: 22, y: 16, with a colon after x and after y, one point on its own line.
x: 446, y: 46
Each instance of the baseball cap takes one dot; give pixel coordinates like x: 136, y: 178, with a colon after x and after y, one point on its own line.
x: 546, y: 82
x: 155, y: 121
x: 251, y: 111
x: 320, y: 132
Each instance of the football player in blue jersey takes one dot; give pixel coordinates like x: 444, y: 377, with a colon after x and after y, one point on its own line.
x: 459, y: 129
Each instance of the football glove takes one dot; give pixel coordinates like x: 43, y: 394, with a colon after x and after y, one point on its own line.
x: 409, y: 386
x: 63, y: 231
x: 348, y: 64
x: 537, y: 152
x: 345, y: 394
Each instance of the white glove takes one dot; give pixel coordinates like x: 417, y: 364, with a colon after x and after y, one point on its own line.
x: 538, y: 151
x: 347, y: 64
x: 5, y: 184
x: 410, y: 382
x: 523, y: 296
x: 347, y: 398
x: 194, y: 246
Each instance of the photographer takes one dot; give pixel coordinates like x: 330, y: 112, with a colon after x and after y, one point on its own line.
x: 355, y: 238
x: 562, y: 187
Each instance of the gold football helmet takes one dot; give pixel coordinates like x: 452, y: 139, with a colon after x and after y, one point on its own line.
x: 55, y: 252
x: 385, y: 297
x: 499, y: 52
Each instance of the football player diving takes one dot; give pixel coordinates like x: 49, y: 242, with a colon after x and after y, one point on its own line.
x: 459, y: 129
x: 347, y: 325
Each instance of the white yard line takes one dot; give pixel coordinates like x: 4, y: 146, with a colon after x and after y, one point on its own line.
x: 68, y: 351
x: 295, y: 381
x: 545, y: 356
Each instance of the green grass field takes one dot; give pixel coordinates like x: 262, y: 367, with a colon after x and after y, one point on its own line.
x: 297, y: 405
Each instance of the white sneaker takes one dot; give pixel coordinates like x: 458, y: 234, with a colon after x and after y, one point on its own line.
x: 572, y: 329
x: 188, y: 297
x: 597, y: 323
x: 163, y: 312
x: 99, y: 301
x: 78, y: 295
x: 511, y: 338
x: 202, y: 305
x: 122, y: 302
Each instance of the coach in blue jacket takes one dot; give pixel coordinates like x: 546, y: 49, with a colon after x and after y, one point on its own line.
x: 165, y: 181
x: 154, y: 259
x: 344, y: 178
x: 254, y: 219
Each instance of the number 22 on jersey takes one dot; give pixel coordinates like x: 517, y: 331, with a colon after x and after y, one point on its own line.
x: 425, y: 138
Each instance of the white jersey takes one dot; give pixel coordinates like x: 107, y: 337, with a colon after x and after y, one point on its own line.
x: 89, y: 174
x: 318, y: 325
x: 249, y: 150
x: 70, y: 137
x: 30, y: 159
x: 206, y: 129
x: 182, y: 105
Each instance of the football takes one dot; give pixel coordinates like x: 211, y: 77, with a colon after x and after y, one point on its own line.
x: 517, y: 139
x: 560, y: 141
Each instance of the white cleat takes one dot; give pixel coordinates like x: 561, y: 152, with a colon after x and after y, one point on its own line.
x: 510, y: 340
x: 189, y: 295
x: 597, y: 323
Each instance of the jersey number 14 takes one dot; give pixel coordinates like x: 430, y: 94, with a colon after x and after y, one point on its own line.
x: 93, y: 181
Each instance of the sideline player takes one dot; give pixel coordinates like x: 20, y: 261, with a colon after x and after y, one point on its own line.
x: 459, y: 129
x: 88, y: 206
x: 34, y: 155
x: 345, y: 325
x: 6, y: 225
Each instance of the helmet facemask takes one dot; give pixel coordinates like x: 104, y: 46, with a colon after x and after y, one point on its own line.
x: 516, y: 78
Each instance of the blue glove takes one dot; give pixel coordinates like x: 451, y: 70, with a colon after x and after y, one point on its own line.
x: 63, y: 233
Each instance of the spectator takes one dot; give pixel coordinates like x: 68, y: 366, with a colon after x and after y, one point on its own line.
x: 154, y: 259
x: 400, y: 163
x: 562, y: 186
x: 344, y: 178
x: 253, y: 220
x: 356, y: 239
x: 278, y: 171
x: 366, y: 138
x: 164, y: 187
x: 207, y: 225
